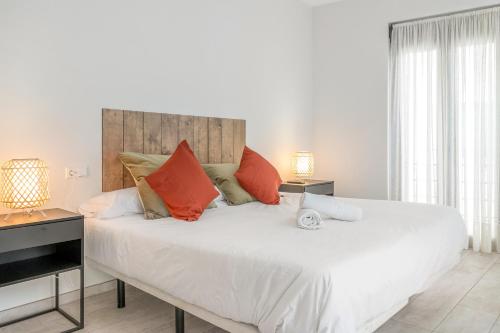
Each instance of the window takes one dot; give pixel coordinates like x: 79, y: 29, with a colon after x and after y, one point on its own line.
x: 444, y: 133
x: 419, y: 119
x: 477, y: 132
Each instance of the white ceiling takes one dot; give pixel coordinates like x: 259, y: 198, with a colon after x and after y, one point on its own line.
x: 319, y: 2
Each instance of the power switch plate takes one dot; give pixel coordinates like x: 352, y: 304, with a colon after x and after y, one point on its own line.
x: 73, y: 173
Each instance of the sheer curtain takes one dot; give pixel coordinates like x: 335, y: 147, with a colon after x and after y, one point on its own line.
x: 444, y: 122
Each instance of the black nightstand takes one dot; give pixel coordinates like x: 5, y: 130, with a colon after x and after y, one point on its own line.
x: 325, y: 187
x: 37, y: 246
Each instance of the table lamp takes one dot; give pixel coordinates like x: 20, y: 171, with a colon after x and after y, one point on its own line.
x: 302, y: 166
x: 25, y: 185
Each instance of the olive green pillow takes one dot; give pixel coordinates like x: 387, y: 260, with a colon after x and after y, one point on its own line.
x: 222, y: 175
x: 142, y: 165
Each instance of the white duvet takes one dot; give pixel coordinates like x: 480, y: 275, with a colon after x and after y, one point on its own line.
x: 251, y: 263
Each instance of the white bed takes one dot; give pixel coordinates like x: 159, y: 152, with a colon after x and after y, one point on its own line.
x: 252, y: 265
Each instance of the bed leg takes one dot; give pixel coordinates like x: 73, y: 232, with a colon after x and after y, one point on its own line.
x: 120, y: 293
x: 179, y: 320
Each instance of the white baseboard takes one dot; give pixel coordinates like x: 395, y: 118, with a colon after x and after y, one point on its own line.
x: 48, y: 303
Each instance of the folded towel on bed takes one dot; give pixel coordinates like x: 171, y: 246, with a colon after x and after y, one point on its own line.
x: 330, y: 208
x: 309, y: 219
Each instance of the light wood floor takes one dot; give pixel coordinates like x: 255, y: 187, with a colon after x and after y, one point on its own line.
x: 466, y: 300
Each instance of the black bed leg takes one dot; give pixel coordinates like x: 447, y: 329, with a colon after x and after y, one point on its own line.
x: 120, y: 293
x: 179, y: 320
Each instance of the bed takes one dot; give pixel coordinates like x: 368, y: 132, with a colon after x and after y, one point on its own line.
x: 249, y: 268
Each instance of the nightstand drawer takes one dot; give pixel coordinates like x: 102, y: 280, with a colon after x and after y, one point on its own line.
x: 40, y: 234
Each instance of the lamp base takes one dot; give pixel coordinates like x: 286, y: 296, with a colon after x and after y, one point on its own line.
x: 28, y: 212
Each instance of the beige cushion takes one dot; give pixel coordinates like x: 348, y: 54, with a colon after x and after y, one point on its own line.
x: 222, y: 175
x: 142, y: 165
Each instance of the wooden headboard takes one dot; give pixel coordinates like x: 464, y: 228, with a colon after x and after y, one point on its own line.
x: 213, y: 140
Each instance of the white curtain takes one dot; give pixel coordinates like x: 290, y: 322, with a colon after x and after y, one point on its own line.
x: 444, y: 122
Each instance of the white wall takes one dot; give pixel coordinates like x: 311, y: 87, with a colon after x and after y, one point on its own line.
x: 350, y: 87
x: 62, y: 61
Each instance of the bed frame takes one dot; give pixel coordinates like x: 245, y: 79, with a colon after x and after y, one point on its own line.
x: 213, y: 140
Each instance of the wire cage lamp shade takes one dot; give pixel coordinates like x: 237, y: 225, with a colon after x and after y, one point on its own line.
x: 303, y: 164
x: 25, y: 184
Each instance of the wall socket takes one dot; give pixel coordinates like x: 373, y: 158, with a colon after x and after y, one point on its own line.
x: 74, y: 173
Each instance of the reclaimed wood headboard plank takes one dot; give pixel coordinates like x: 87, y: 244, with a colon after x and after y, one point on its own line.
x: 186, y: 130
x: 201, y: 139
x: 239, y: 138
x: 227, y: 140
x: 112, y: 145
x: 133, y: 139
x: 213, y: 140
x: 152, y: 133
x: 169, y: 133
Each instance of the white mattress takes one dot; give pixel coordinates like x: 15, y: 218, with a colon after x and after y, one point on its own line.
x: 251, y: 263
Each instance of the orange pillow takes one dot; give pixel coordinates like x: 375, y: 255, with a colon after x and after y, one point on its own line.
x: 258, y: 177
x: 182, y: 184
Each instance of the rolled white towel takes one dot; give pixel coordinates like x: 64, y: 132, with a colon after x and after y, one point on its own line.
x: 331, y: 208
x: 309, y: 219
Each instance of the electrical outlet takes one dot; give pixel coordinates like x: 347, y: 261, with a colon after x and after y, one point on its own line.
x: 73, y: 173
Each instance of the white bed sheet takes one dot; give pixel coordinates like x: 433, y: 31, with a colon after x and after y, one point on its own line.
x: 251, y: 263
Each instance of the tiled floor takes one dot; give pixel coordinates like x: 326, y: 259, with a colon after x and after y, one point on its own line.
x: 466, y: 300
x: 143, y: 314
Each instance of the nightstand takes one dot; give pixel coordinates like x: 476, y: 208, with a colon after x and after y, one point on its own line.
x: 325, y: 187
x: 37, y: 246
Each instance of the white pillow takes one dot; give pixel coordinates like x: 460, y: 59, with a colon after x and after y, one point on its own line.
x: 220, y: 201
x: 220, y: 197
x: 113, y: 204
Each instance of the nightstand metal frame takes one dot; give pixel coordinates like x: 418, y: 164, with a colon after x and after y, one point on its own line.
x: 79, y: 324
